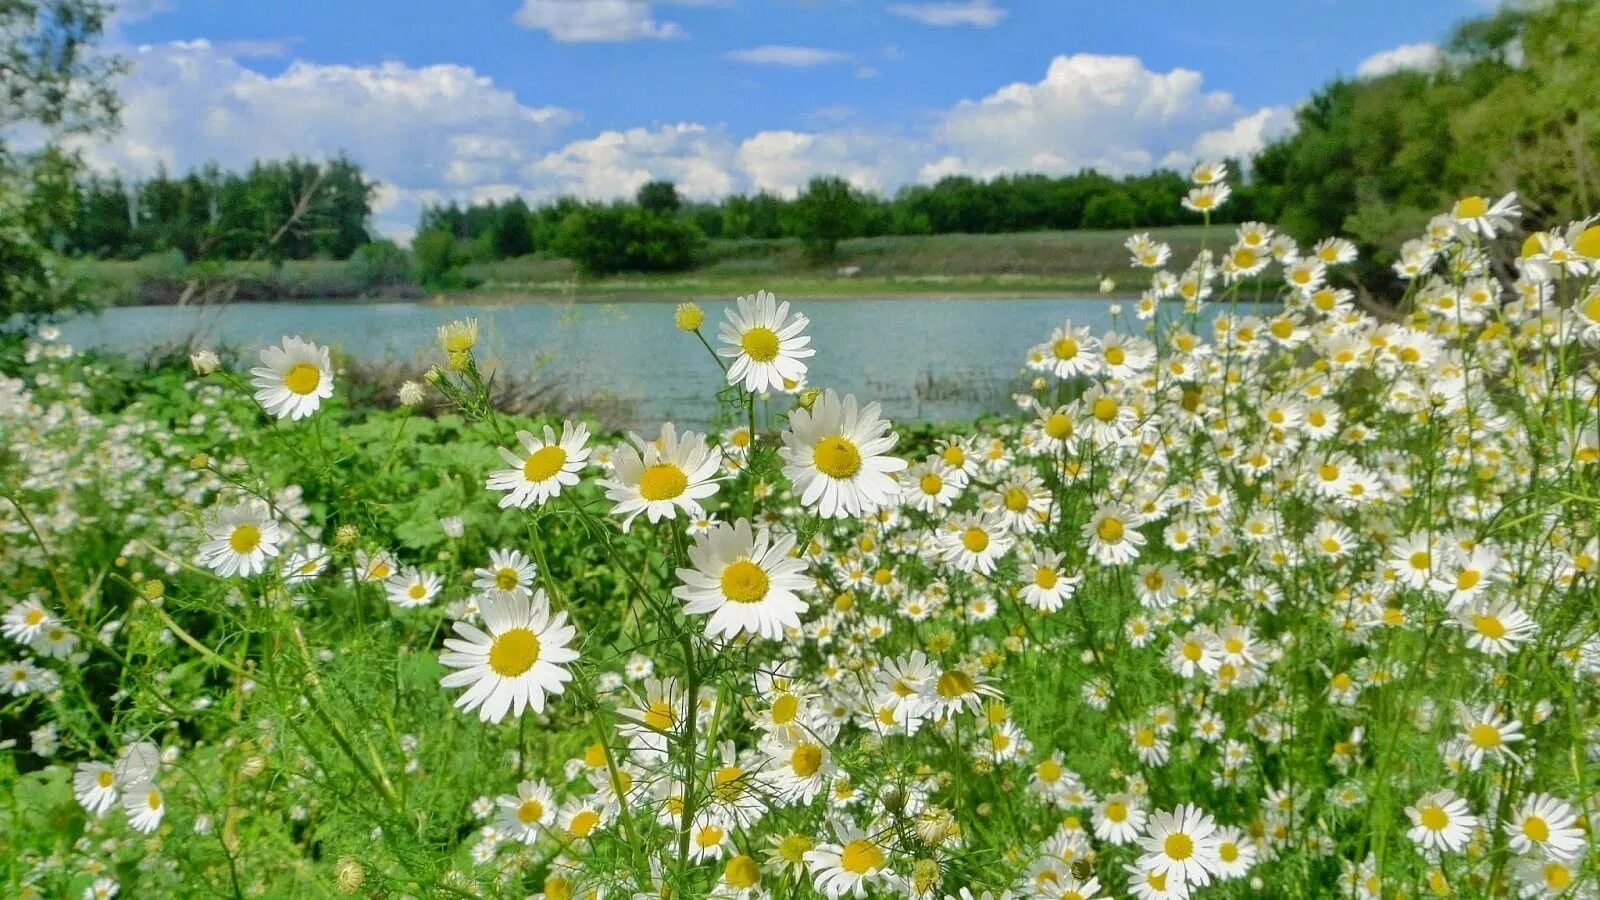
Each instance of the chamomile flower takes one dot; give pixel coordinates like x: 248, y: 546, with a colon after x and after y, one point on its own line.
x: 25, y: 621
x: 1113, y: 534
x: 546, y: 466
x: 1441, y: 821
x: 1478, y: 215
x: 517, y: 663
x: 95, y: 787
x: 1182, y: 844
x: 146, y: 805
x: 240, y: 539
x: 835, y: 455
x: 747, y: 581
x: 525, y: 815
x: 674, y: 472
x: 1546, y: 824
x: 852, y: 865
x: 765, y: 343
x: 411, y: 587
x: 975, y: 543
x: 293, y: 379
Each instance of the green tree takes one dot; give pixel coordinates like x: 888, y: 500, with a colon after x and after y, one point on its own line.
x: 827, y: 212
x: 53, y: 84
x: 660, y: 197
x: 511, y: 236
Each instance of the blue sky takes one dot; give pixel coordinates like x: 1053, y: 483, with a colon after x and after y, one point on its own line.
x: 480, y: 99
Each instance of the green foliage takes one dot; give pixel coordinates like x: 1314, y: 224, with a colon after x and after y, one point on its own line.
x: 659, y: 197
x: 604, y: 240
x: 827, y: 211
x: 1112, y: 209
x: 1369, y: 156
x: 380, y: 264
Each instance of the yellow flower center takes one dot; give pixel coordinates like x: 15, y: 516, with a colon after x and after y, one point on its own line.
x: 837, y: 457
x: 954, y: 456
x: 1557, y: 876
x: 153, y: 800
x: 244, y: 538
x: 744, y: 582
x: 760, y: 344
x: 931, y: 484
x: 1178, y: 846
x: 105, y: 779
x: 663, y: 481
x: 975, y: 540
x: 1433, y: 817
x: 1046, y: 577
x: 1420, y: 559
x: 1105, y: 409
x: 806, y: 760
x: 861, y: 857
x: 1468, y: 579
x: 742, y: 872
x: 584, y: 823
x: 303, y: 379
x: 530, y: 812
x: 728, y: 783
x: 784, y: 709
x: 513, y: 652
x: 1116, y: 356
x: 1117, y: 811
x: 1017, y: 499
x: 417, y: 591
x: 955, y: 683
x: 659, y: 715
x: 1484, y: 736
x: 1471, y: 207
x: 1536, y: 828
x: 1049, y: 771
x: 35, y: 616
x: 793, y: 848
x: 544, y: 463
x: 506, y: 579
x: 1064, y: 348
x: 1110, y: 529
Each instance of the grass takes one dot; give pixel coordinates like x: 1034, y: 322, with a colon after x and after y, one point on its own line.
x: 1021, y: 264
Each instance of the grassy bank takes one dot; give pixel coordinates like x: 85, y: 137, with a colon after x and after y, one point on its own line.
x: 1001, y: 264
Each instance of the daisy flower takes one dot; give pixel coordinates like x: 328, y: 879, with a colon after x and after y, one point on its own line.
x: 240, y: 539
x: 1547, y: 824
x: 672, y: 472
x: 1487, y: 734
x: 304, y: 565
x: 145, y: 805
x: 293, y: 379
x: 517, y: 663
x: 412, y: 587
x: 1477, y: 215
x: 524, y: 815
x: 509, y: 572
x: 833, y: 453
x: 95, y: 787
x: 765, y: 343
x: 850, y: 866
x: 745, y: 580
x: 1441, y: 821
x: 1046, y: 585
x: 25, y: 621
x: 1182, y: 844
x: 1496, y: 629
x: 1113, y: 534
x: 546, y: 465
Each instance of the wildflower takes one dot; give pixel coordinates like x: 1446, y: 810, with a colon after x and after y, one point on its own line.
x: 745, y: 579
x: 834, y: 455
x: 293, y: 379
x: 517, y: 663
x: 240, y: 539
x: 688, y: 317
x: 526, y: 814
x: 1182, y: 844
x: 1441, y: 821
x: 1477, y: 215
x: 661, y: 476
x: 25, y: 621
x: 546, y: 466
x: 95, y: 787
x: 204, y: 362
x: 765, y: 343
x: 411, y: 588
x: 508, y: 572
x: 459, y: 336
x: 145, y: 805
x: 852, y: 865
x: 1547, y: 824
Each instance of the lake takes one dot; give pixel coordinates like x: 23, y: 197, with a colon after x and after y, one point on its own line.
x: 931, y: 359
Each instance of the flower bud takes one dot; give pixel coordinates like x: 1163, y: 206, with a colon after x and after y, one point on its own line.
x: 205, y: 362
x: 688, y: 317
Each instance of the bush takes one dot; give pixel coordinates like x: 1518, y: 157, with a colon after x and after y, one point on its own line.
x: 604, y: 240
x: 379, y: 264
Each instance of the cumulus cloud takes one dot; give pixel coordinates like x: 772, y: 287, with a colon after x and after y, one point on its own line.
x: 440, y: 127
x: 791, y: 57
x: 433, y: 134
x: 580, y: 21
x: 948, y: 13
x: 1090, y: 111
x: 1423, y: 57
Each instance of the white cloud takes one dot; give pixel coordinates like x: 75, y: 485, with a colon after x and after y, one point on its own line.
x: 1104, y: 112
x: 791, y: 57
x: 579, y: 21
x: 947, y: 13
x: 615, y: 163
x: 442, y: 127
x: 438, y: 133
x: 1423, y: 57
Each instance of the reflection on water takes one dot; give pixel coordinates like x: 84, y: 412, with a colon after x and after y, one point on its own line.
x: 934, y: 359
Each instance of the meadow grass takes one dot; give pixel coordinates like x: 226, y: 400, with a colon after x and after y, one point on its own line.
x: 1298, y: 603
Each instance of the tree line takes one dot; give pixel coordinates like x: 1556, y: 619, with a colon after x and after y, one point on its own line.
x: 658, y: 230
x: 288, y: 209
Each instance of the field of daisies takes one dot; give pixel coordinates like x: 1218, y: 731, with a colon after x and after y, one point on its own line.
x: 1261, y: 592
